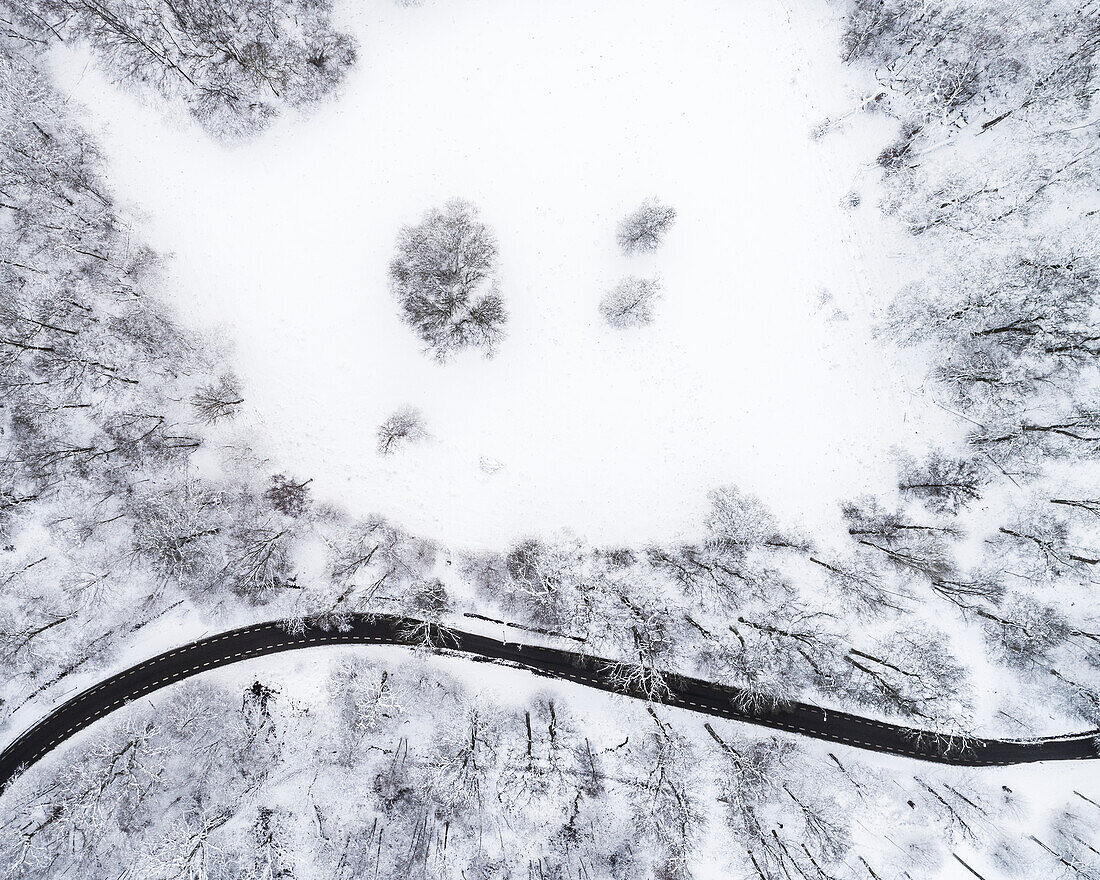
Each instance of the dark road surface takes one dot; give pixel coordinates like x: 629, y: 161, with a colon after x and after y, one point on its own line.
x: 709, y: 699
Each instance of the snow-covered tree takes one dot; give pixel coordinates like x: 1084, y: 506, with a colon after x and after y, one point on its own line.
x: 444, y: 278
x: 643, y: 230
x: 630, y: 303
x: 400, y: 429
x: 233, y: 65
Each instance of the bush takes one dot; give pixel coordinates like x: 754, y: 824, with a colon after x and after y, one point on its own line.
x: 630, y: 304
x: 403, y: 427
x: 444, y: 278
x: 645, y: 229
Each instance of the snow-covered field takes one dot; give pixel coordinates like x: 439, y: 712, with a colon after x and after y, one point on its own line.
x: 556, y: 120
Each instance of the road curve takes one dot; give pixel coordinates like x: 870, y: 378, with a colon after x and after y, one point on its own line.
x: 693, y: 694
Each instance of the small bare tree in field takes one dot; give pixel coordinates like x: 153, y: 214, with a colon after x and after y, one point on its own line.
x: 444, y: 277
x: 630, y: 304
x: 403, y: 427
x: 644, y: 229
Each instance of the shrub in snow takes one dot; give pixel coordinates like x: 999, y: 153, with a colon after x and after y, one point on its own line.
x: 489, y: 465
x: 851, y: 200
x: 645, y: 229
x: 443, y: 275
x: 630, y: 304
x: 403, y: 427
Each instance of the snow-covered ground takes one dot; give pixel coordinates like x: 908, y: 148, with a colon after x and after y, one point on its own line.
x: 556, y: 119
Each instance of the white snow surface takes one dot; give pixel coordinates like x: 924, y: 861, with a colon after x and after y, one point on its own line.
x: 556, y: 119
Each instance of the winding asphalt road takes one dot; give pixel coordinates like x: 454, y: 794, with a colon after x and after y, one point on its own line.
x: 693, y: 694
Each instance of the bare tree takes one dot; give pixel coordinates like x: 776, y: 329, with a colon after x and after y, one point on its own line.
x: 544, y: 583
x: 400, y: 429
x: 895, y: 154
x: 1024, y: 631
x: 370, y: 562
x: 779, y: 809
x: 908, y: 674
x: 630, y: 303
x: 287, y: 496
x: 863, y: 583
x: 739, y: 520
x: 258, y: 562
x: 444, y: 277
x: 217, y: 401
x: 944, y: 484
x: 766, y: 675
x: 153, y: 792
x: 428, y: 602
x: 179, y: 533
x: 948, y: 59
x: 1071, y: 841
x: 667, y: 801
x: 1039, y: 546
x: 644, y: 229
x: 364, y: 701
x: 273, y: 855
x: 1013, y: 333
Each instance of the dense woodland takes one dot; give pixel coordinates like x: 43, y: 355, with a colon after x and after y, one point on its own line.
x: 131, y: 489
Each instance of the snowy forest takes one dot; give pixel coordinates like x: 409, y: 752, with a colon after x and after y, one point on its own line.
x: 143, y: 503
